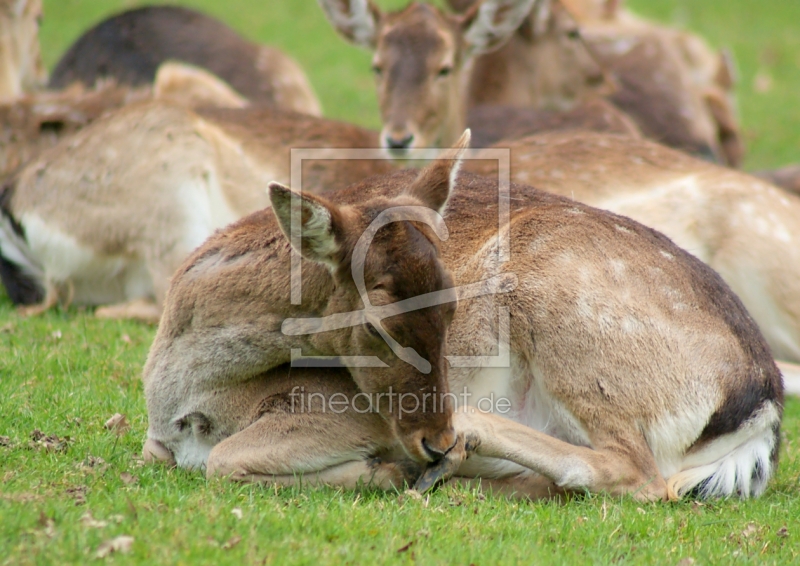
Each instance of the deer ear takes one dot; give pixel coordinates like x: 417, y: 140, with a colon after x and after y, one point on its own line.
x: 435, y: 182
x: 542, y: 15
x: 319, y: 222
x: 355, y: 20
x: 489, y: 24
x: 194, y: 87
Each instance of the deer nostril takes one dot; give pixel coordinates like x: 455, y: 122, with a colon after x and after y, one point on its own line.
x: 433, y: 453
x: 403, y: 143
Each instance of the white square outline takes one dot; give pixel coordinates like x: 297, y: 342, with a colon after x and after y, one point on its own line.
x: 503, y: 158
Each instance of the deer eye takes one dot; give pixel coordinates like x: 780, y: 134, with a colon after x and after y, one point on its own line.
x: 574, y: 34
x: 445, y: 71
x: 377, y: 70
x: 372, y: 330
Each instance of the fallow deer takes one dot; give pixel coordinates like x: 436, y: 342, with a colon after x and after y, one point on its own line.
x: 130, y: 46
x: 21, y: 68
x: 632, y: 368
x: 38, y: 120
x: 423, y: 58
x: 742, y: 227
x: 107, y: 214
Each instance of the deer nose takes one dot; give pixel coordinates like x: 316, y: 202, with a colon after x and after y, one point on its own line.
x: 436, y: 448
x: 399, y: 143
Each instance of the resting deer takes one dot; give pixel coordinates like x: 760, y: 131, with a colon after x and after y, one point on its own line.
x: 670, y: 81
x: 742, y: 227
x: 632, y: 368
x: 21, y: 68
x: 32, y: 123
x: 423, y: 58
x: 106, y: 215
x: 129, y: 47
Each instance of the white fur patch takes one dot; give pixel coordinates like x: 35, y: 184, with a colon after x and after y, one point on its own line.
x: 317, y: 233
x: 734, y: 464
x: 496, y: 21
x: 16, y: 250
x: 192, y: 452
x: 356, y: 22
x: 97, y: 279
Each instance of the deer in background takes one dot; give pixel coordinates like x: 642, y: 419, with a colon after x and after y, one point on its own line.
x: 21, y: 68
x: 36, y: 121
x: 633, y: 369
x: 424, y: 58
x: 129, y: 47
x: 742, y: 227
x: 106, y: 215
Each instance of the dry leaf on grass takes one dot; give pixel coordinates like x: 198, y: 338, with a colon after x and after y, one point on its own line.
x: 121, y: 544
x: 128, y: 479
x: 78, y: 493
x: 48, y: 442
x: 688, y: 561
x: 749, y: 530
x: 231, y: 542
x: 5, y: 441
x: 236, y: 512
x: 405, y: 547
x: 783, y: 532
x: 48, y: 525
x: 118, y: 424
x: 88, y: 521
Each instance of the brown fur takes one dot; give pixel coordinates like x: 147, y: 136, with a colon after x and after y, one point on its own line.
x: 493, y: 123
x: 711, y: 211
x: 21, y: 68
x: 402, y: 262
x: 595, y: 334
x: 669, y: 81
x: 39, y: 120
x: 145, y: 185
x: 130, y: 46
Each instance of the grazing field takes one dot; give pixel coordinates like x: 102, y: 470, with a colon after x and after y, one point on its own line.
x: 68, y: 485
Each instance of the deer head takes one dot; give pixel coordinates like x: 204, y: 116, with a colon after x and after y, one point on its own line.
x: 421, y: 58
x: 384, y: 259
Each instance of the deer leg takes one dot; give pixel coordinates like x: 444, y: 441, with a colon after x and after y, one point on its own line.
x: 144, y: 310
x: 609, y: 467
x: 326, y: 448
x: 51, y: 299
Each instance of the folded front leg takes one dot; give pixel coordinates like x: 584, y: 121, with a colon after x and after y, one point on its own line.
x: 622, y: 466
x: 313, y: 448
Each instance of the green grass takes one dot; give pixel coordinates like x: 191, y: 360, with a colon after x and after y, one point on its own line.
x: 65, y: 374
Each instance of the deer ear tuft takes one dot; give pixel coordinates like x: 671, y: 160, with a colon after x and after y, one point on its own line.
x: 317, y: 221
x: 355, y: 20
x: 489, y: 24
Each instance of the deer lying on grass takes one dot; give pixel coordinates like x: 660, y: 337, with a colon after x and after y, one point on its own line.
x: 108, y: 214
x: 424, y: 57
x: 745, y: 229
x: 36, y: 121
x: 130, y: 46
x: 633, y: 369
x: 499, y: 122
x: 670, y: 81
x: 21, y: 68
